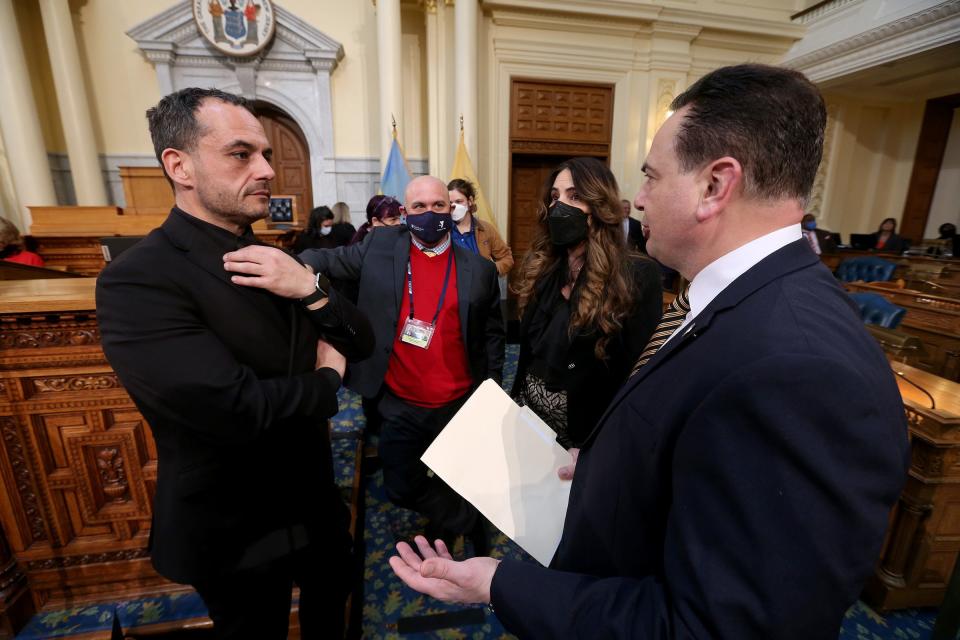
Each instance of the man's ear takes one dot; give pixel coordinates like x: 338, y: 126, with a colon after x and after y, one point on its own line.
x: 179, y: 166
x: 720, y: 181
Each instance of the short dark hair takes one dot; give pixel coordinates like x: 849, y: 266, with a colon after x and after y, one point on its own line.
x: 173, y: 121
x: 317, y: 216
x: 463, y: 186
x: 770, y: 119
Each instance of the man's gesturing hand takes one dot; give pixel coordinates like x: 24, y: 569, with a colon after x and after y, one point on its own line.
x: 442, y: 577
x: 271, y: 269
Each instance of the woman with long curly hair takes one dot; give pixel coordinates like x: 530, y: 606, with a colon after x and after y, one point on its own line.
x: 588, y: 305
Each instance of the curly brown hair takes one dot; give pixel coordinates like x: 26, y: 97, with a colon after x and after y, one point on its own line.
x: 604, y: 295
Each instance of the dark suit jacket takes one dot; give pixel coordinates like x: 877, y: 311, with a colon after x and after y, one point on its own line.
x: 592, y: 383
x: 379, y: 264
x: 738, y: 486
x: 635, y: 239
x: 894, y: 243
x: 224, y: 375
x: 827, y: 240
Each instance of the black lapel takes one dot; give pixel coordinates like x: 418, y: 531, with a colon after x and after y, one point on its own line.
x: 401, y: 256
x: 464, y: 281
x: 792, y: 257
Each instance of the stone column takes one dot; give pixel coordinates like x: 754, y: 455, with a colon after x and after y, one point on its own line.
x: 390, y: 62
x: 88, y: 180
x: 465, y: 45
x: 20, y: 124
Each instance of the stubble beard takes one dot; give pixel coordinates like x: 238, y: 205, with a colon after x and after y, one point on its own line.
x: 227, y: 209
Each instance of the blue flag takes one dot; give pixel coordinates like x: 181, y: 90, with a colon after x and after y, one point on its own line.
x: 395, y: 176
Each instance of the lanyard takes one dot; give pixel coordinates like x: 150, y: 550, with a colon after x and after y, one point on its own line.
x: 443, y: 291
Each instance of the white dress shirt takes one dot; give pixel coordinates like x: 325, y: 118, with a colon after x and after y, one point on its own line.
x: 720, y: 273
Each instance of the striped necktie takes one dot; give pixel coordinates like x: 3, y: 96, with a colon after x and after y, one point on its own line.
x: 672, y: 319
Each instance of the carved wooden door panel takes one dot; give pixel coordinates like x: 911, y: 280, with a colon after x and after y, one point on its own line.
x: 291, y: 158
x: 77, y: 461
x: 526, y: 181
x: 550, y: 122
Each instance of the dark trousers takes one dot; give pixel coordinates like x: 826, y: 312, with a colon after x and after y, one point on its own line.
x: 407, y: 431
x: 255, y: 603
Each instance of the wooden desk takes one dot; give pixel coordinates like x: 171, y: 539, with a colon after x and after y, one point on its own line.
x: 69, y: 237
x: 934, y: 319
x: 77, y: 461
x: 924, y: 535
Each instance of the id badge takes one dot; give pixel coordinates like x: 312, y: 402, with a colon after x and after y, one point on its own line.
x: 417, y: 332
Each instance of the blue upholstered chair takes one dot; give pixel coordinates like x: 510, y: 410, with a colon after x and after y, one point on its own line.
x: 867, y: 269
x: 875, y: 309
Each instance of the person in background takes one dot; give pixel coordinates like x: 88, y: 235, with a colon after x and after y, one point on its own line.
x: 343, y: 229
x: 435, y: 310
x: 382, y: 211
x: 820, y: 240
x: 587, y: 307
x: 12, y: 246
x: 948, y: 231
x: 632, y: 229
x: 472, y: 233
x: 885, y: 238
x: 318, y: 234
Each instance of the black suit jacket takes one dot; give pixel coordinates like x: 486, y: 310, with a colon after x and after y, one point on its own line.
x: 379, y: 264
x: 894, y: 243
x: 635, y: 239
x: 738, y: 486
x: 591, y: 383
x: 224, y: 375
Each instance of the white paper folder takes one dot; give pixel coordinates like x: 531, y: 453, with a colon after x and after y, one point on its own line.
x: 503, y: 459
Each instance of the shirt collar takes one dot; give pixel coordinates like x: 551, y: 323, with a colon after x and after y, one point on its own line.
x: 224, y: 239
x: 437, y: 250
x: 720, y: 273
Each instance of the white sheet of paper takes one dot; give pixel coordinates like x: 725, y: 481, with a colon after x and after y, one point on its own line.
x: 503, y: 459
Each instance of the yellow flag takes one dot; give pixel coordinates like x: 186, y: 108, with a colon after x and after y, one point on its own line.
x: 463, y: 168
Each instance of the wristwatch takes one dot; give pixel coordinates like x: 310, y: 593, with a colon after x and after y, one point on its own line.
x: 322, y: 291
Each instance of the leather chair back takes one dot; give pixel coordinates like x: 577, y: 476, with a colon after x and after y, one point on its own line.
x: 866, y: 269
x: 875, y: 309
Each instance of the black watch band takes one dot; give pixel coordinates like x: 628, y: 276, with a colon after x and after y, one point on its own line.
x: 323, y: 287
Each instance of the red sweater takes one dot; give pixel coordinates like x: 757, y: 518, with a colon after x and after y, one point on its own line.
x: 440, y: 374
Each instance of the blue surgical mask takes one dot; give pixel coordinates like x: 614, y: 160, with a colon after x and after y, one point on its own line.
x: 810, y: 225
x: 430, y: 226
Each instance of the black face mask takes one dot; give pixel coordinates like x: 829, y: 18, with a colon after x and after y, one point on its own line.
x: 568, y: 225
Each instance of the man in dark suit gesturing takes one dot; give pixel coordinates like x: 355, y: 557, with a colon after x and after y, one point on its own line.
x: 235, y: 382
x: 713, y: 500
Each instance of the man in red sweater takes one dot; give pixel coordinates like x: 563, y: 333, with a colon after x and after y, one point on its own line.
x: 435, y: 311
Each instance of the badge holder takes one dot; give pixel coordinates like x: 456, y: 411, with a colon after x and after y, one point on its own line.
x: 417, y: 333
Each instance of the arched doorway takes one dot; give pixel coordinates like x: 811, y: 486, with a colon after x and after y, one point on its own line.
x: 291, y: 156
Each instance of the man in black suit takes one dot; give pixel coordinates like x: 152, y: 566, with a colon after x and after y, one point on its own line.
x: 435, y: 310
x: 713, y: 500
x: 236, y: 383
x: 820, y: 240
x: 633, y: 230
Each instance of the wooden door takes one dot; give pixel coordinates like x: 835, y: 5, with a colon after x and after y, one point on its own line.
x: 291, y: 158
x: 526, y: 182
x: 549, y: 123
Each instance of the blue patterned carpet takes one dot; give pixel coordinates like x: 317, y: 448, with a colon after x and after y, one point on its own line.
x: 386, y: 600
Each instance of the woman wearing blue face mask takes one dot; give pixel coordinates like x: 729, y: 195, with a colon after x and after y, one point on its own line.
x: 588, y: 305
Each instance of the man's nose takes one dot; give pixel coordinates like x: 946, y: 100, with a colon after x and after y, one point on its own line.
x: 264, y: 170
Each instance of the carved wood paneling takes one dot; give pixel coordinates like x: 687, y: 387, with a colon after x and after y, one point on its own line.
x: 560, y: 112
x: 80, y: 459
